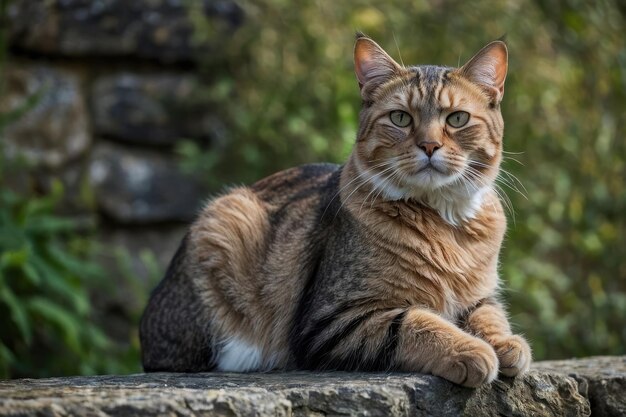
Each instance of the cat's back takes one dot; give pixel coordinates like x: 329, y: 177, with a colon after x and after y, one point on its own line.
x: 298, y: 184
x: 278, y: 211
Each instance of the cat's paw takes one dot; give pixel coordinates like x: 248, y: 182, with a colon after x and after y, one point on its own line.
x: 474, y: 363
x: 514, y: 355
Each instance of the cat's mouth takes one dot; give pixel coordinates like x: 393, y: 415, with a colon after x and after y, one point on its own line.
x: 429, y: 167
x: 431, y: 175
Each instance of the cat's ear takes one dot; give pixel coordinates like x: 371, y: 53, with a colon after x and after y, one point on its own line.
x: 488, y: 69
x: 371, y: 63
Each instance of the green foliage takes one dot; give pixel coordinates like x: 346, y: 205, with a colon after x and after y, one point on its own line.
x: 44, y: 305
x: 286, y: 91
x: 48, y: 277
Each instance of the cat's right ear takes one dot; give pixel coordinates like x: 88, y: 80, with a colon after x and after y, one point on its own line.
x: 372, y: 65
x: 488, y: 69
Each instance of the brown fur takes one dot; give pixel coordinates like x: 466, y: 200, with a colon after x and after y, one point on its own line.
x: 375, y: 265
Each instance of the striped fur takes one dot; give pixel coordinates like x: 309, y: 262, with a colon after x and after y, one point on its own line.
x: 388, y: 262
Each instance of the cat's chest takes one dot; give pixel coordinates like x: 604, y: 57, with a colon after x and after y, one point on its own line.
x: 441, y: 268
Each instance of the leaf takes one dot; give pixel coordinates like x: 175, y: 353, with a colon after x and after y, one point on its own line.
x: 19, y: 314
x: 46, y: 224
x: 12, y: 238
x: 33, y: 207
x: 31, y: 273
x: 6, y: 360
x: 150, y: 262
x: 67, y: 323
x: 14, y: 258
x: 77, y: 266
x: 97, y: 338
x: 56, y: 283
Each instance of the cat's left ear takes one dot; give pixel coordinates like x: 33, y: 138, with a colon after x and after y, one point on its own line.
x: 372, y: 64
x: 488, y: 69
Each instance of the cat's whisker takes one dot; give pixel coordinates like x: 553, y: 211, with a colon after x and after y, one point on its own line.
x: 382, y: 189
x: 496, y: 188
x: 510, y: 158
x: 508, y: 203
x: 510, y: 182
x: 357, y: 177
x: 343, y: 203
x: 374, y: 186
x: 507, y: 183
x: 365, y: 181
x: 397, y: 47
x: 374, y: 189
x: 403, y: 176
x: 475, y: 187
x: 381, y: 159
x: 514, y: 178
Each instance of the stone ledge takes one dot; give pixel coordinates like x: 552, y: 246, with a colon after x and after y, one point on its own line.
x: 601, y: 379
x: 595, y: 384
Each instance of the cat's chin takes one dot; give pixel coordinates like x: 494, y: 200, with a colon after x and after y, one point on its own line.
x: 431, y: 179
x: 454, y: 200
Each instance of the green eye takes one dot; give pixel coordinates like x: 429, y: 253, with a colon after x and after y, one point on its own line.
x: 400, y: 118
x: 458, y: 119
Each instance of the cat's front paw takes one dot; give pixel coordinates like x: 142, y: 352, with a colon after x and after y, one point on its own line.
x: 514, y: 354
x: 474, y: 363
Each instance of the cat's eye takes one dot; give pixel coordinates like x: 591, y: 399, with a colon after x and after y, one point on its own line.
x: 400, y: 118
x: 458, y: 119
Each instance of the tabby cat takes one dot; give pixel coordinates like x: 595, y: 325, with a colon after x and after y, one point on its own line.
x: 388, y: 262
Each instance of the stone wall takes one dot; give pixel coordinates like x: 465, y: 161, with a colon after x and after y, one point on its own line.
x: 111, y: 84
x: 593, y: 386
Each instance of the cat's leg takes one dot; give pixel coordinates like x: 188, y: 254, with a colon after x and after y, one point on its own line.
x: 412, y: 339
x: 429, y: 343
x: 489, y: 322
x: 174, y: 331
x: 227, y: 247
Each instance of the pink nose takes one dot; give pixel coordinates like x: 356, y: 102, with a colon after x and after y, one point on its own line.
x: 429, y: 147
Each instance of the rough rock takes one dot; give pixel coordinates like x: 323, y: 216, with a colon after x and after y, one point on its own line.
x: 601, y: 379
x: 50, y: 124
x: 291, y: 394
x: 155, y: 29
x: 141, y: 186
x: 151, y: 109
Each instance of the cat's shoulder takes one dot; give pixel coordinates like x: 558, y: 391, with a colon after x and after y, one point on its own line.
x: 300, y: 179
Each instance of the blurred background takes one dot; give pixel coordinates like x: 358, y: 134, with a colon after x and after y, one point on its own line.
x: 119, y: 118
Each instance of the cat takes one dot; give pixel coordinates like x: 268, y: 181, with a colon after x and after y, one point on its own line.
x: 386, y: 263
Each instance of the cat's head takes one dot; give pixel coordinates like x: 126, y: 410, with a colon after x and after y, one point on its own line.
x: 430, y: 133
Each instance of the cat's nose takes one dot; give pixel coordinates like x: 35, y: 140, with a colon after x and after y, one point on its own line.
x: 429, y: 147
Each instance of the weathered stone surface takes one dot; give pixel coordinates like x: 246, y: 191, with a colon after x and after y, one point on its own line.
x: 155, y: 29
x: 601, y: 379
x: 140, y: 186
x: 52, y: 127
x: 291, y: 394
x: 151, y: 109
